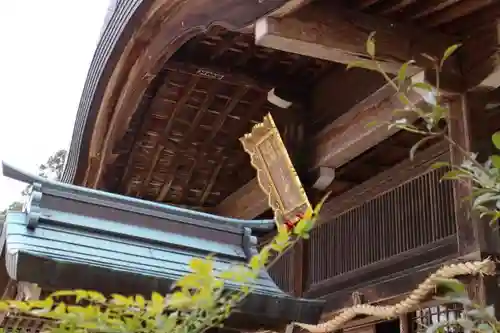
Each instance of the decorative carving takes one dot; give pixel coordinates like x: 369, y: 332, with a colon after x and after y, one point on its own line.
x: 275, y: 171
x: 209, y: 74
x: 249, y: 243
x: 32, y: 207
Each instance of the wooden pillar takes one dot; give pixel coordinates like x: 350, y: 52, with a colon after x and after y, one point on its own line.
x: 476, y: 239
x: 405, y: 324
x: 484, y: 290
x: 467, y: 128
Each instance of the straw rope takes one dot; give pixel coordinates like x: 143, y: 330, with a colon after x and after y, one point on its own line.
x: 485, y: 267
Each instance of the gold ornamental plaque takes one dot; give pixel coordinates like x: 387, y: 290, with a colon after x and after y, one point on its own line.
x: 275, y: 172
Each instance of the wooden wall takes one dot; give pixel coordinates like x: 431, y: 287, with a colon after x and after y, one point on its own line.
x: 396, y: 222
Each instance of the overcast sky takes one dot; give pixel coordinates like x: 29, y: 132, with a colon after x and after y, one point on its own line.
x: 45, y: 50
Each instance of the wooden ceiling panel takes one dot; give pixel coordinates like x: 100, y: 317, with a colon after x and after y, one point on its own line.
x: 183, y: 147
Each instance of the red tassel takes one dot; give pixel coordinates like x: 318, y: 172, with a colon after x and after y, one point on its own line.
x: 290, y: 225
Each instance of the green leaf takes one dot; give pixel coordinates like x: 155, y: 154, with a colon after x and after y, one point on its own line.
x: 370, y: 45
x: 255, y: 263
x: 452, y: 285
x: 131, y: 323
x: 485, y: 328
x: 120, y: 299
x: 485, y: 198
x: 449, y: 51
x: 366, y: 64
x: 60, y: 308
x: 63, y: 293
x: 19, y: 305
x: 467, y: 324
x: 404, y: 99
x: 453, y: 174
x: 423, y: 86
x: 179, y: 300
x: 495, y: 138
x: 201, y: 266
x: 140, y: 301
x: 158, y: 301
x: 438, y: 113
x: 303, y: 228
x: 265, y: 253
x: 188, y: 281
x: 281, y: 241
x: 439, y: 165
x: 170, y: 322
x: 402, y: 72
x: 81, y: 294
x: 95, y: 296
x: 495, y: 160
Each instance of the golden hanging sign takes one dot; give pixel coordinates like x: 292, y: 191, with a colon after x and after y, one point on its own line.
x: 275, y: 172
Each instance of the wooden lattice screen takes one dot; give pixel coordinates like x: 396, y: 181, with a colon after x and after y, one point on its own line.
x: 16, y: 323
x: 411, y: 216
x: 426, y: 317
x: 284, y: 264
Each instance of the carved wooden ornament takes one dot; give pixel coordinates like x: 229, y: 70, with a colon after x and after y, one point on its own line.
x: 275, y: 172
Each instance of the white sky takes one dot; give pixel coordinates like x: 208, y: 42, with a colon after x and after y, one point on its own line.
x: 45, y: 50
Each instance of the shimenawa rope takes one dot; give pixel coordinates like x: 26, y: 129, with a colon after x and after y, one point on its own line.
x: 484, y: 267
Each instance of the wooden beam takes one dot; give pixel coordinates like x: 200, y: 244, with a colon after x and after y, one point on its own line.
x: 323, y: 31
x: 480, y: 57
x: 338, y: 92
x: 362, y: 127
x: 246, y: 203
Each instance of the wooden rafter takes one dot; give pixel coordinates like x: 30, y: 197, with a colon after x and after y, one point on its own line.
x: 393, y: 8
x: 421, y: 9
x: 209, y: 97
x: 336, y: 34
x: 451, y: 13
x: 178, y: 106
x: 362, y: 4
x: 481, y: 57
x: 226, y: 44
x: 211, y: 182
x: 219, y: 122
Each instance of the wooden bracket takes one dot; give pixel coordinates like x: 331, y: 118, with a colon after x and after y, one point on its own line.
x: 324, y: 178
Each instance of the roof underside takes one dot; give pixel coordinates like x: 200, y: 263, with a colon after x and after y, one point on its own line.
x: 182, y: 144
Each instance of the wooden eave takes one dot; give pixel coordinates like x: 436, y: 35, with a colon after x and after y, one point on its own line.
x: 162, y: 122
